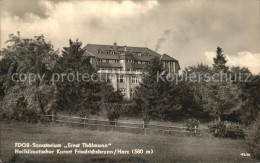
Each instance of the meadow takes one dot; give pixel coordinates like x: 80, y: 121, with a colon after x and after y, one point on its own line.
x: 166, y: 148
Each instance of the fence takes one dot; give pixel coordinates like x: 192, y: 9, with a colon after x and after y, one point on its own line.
x: 118, y: 125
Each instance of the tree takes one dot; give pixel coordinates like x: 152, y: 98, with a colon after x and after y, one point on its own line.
x: 191, y: 91
x: 76, y: 95
x: 221, y: 99
x: 21, y: 100
x: 239, y: 75
x: 109, y: 95
x: 111, y: 100
x: 152, y: 96
x: 220, y: 61
x: 250, y: 96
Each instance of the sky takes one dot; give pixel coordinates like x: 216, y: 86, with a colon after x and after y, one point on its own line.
x: 188, y: 30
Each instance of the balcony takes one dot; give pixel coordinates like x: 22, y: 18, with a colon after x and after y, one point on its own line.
x: 131, y: 72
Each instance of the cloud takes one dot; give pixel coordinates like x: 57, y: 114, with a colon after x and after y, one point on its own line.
x: 242, y: 59
x: 87, y: 20
x: 246, y: 59
x: 194, y: 26
x: 22, y: 8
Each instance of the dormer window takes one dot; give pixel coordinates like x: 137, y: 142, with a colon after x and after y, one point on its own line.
x: 99, y: 51
x: 139, y: 54
x: 107, y: 52
x: 112, y: 52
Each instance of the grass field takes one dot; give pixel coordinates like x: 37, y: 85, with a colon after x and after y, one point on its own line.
x: 166, y: 148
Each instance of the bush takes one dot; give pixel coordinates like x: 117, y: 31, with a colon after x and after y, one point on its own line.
x: 191, y: 123
x: 254, y: 141
x: 113, y: 115
x: 226, y: 129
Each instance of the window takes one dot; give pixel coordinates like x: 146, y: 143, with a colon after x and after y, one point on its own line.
x: 107, y: 52
x: 102, y: 60
x: 121, y: 79
x: 129, y: 60
x: 123, y: 91
x: 112, y: 52
x: 132, y: 92
x: 99, y: 51
x: 113, y: 61
x: 139, y: 62
x: 143, y: 63
x: 139, y: 54
x: 134, y: 79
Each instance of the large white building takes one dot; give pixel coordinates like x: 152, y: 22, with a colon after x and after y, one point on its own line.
x: 124, y: 64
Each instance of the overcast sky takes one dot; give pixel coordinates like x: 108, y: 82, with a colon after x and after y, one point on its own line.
x: 188, y: 30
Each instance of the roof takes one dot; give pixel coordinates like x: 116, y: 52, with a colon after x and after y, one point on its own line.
x: 123, y: 52
x: 113, y: 65
x: 126, y: 55
x: 88, y: 54
x: 165, y: 57
x: 94, y: 48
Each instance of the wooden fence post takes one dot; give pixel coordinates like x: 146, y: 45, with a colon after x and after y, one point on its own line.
x: 52, y: 116
x: 84, y: 121
x: 195, y: 129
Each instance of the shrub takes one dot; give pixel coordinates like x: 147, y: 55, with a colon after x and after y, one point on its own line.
x: 226, y: 129
x: 191, y: 123
x: 113, y: 115
x: 217, y: 128
x: 254, y: 141
x: 234, y: 131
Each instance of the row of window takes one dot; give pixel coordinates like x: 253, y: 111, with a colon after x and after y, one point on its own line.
x: 123, y: 91
x: 113, y: 69
x: 120, y: 69
x: 120, y: 52
x: 121, y: 79
x: 109, y: 60
x: 127, y: 60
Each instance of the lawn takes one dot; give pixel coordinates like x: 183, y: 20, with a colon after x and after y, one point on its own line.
x: 166, y: 148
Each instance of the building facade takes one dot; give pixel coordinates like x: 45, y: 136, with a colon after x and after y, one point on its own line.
x: 124, y: 65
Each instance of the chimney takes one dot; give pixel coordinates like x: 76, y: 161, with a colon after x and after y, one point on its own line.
x: 125, y: 48
x: 115, y: 45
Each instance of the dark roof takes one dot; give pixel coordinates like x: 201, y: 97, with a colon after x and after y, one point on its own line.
x: 139, y: 66
x: 124, y: 52
x: 94, y: 48
x: 105, y: 64
x: 88, y: 54
x: 126, y: 55
x: 107, y: 56
x: 165, y: 57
